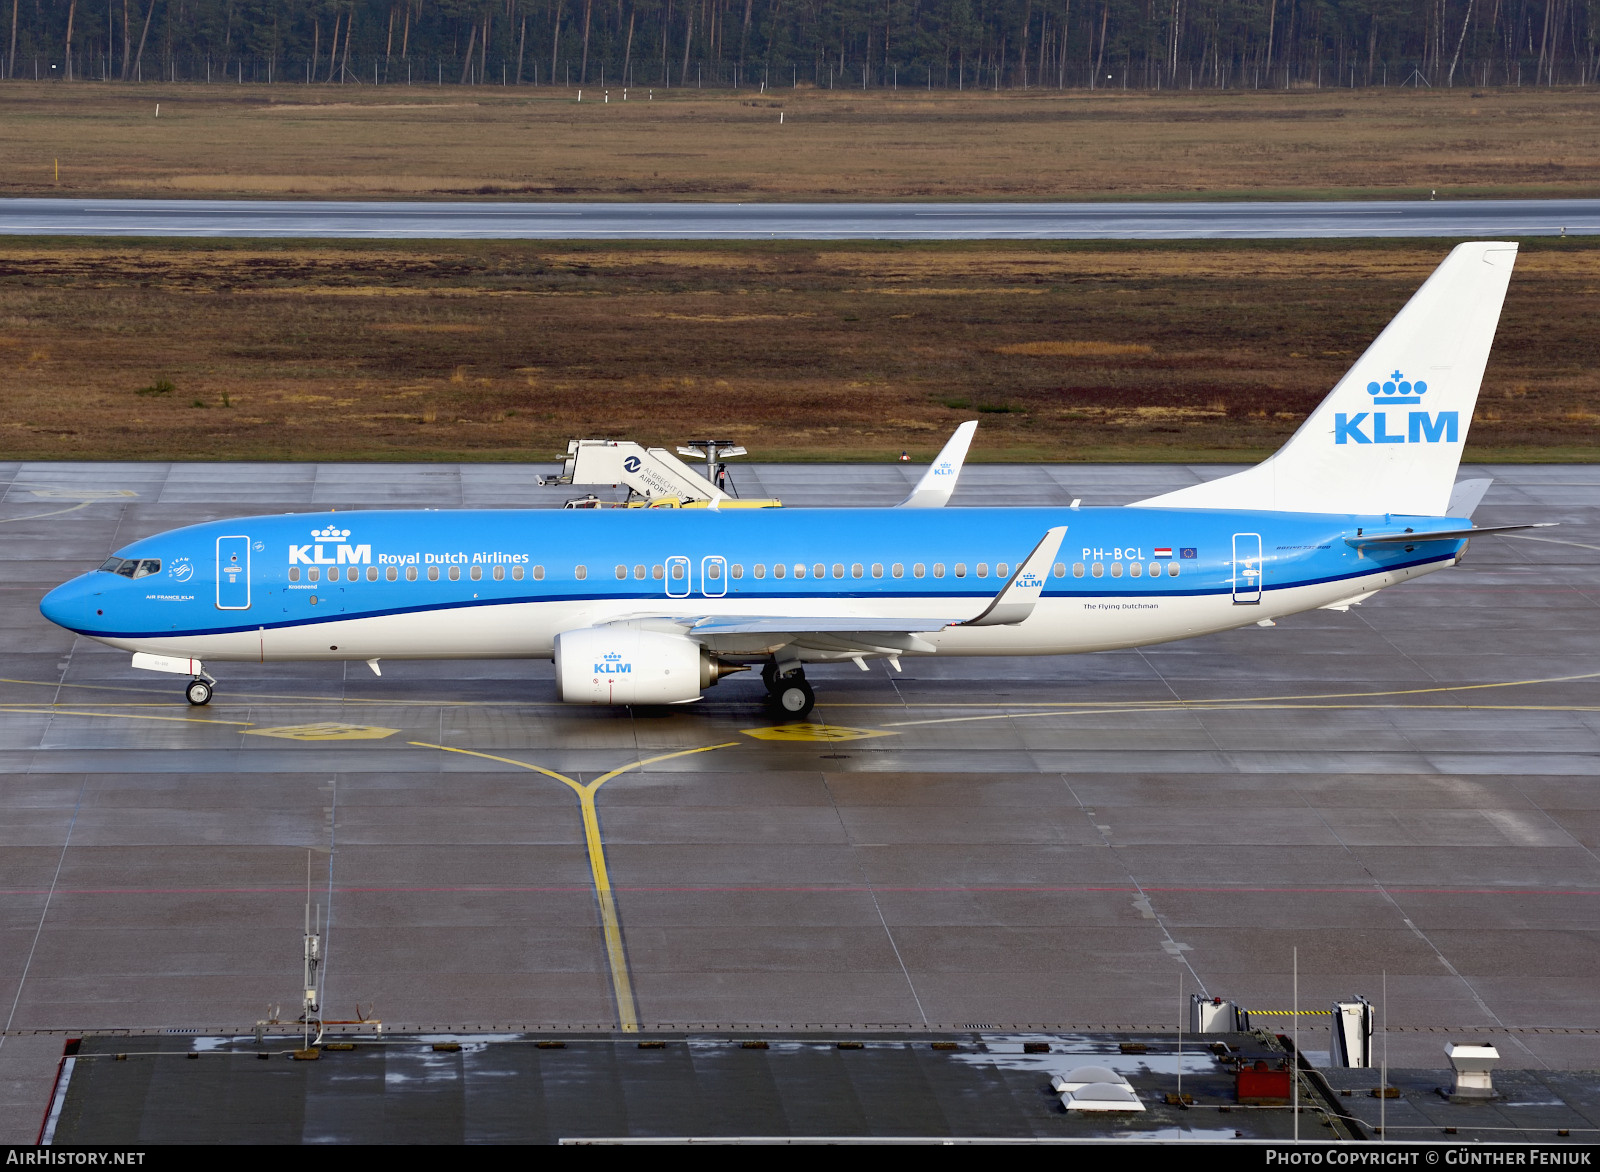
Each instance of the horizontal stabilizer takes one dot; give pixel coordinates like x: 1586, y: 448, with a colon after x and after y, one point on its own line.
x: 1439, y: 534
x: 1466, y: 496
x: 1017, y: 600
x: 938, y: 483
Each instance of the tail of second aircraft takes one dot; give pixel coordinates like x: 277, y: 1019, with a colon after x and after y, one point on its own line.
x: 1389, y: 437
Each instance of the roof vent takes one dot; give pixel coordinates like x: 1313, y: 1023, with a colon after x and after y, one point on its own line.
x: 1472, y: 1064
x: 1095, y: 1088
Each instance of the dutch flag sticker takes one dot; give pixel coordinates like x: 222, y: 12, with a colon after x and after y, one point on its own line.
x: 1164, y: 551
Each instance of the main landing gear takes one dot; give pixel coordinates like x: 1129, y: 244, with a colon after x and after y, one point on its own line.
x: 791, y: 695
x: 199, y: 692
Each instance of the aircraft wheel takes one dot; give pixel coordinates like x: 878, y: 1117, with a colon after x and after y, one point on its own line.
x: 198, y: 692
x: 794, y: 697
x: 776, y: 683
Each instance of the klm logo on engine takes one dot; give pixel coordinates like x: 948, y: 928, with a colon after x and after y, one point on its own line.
x: 613, y: 666
x: 1382, y: 427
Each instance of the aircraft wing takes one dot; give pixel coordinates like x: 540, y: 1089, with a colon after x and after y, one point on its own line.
x: 933, y: 491
x: 862, y: 634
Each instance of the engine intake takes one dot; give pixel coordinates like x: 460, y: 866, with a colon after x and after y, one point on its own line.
x: 621, y: 665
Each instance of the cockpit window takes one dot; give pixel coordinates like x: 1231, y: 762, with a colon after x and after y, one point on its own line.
x: 132, y: 567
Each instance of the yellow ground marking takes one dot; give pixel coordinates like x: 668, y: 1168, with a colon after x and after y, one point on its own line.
x: 610, y: 924
x: 324, y: 730
x: 37, y: 710
x: 814, y: 732
x: 72, y: 495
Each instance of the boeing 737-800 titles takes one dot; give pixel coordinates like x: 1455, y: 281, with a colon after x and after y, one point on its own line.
x: 653, y: 606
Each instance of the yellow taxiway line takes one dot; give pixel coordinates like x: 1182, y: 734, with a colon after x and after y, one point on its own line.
x: 610, y: 923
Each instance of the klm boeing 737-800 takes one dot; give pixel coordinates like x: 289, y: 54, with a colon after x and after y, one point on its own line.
x: 653, y: 606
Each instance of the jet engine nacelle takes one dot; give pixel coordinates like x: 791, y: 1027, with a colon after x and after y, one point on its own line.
x: 621, y: 665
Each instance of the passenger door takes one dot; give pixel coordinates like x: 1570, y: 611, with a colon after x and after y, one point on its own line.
x: 678, y: 577
x: 233, y: 573
x: 1247, y: 569
x: 713, y: 576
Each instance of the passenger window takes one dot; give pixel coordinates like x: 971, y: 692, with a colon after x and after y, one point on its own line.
x: 392, y: 573
x: 1098, y: 570
x: 938, y: 569
x: 294, y: 573
x: 1172, y: 569
x: 372, y: 573
x: 499, y: 573
x: 433, y: 573
x: 736, y: 571
x: 838, y: 569
x: 983, y: 569
x: 411, y: 573
x: 1155, y: 569
x: 313, y: 575
x: 657, y: 573
x: 1077, y: 569
x: 821, y: 571
x: 961, y: 569
x: 455, y: 573
x: 1136, y: 569
x: 799, y: 570
x: 713, y: 569
x: 1060, y: 570
x: 638, y: 573
x: 856, y: 570
x: 677, y: 571
x: 918, y: 570
x: 877, y: 569
x: 1003, y: 570
x: 622, y: 572
x: 759, y: 569
x: 1116, y: 569
x: 898, y: 570
x: 580, y: 572
x: 516, y: 573
x: 779, y: 569
x: 538, y: 573
x: 477, y: 573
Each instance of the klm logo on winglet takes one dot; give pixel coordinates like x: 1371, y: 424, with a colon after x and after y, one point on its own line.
x: 613, y: 666
x: 1395, y: 391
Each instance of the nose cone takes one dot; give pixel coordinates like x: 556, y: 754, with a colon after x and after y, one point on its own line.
x: 73, y: 604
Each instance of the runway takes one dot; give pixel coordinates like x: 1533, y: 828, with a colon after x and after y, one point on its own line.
x: 1405, y: 789
x: 818, y: 221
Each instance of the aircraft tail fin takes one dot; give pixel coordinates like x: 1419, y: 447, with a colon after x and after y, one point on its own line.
x: 1389, y: 437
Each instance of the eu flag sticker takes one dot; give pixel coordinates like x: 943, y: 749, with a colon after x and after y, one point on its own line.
x: 1188, y: 551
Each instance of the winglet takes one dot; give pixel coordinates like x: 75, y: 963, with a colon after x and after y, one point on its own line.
x: 1465, y: 497
x: 933, y: 491
x: 1016, y: 601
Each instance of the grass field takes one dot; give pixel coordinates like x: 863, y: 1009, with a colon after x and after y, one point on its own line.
x: 504, y: 350
x: 428, y: 142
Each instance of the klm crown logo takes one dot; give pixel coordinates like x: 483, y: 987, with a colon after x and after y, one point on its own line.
x: 611, y: 665
x: 331, y: 533
x: 1379, y: 426
x: 1395, y: 390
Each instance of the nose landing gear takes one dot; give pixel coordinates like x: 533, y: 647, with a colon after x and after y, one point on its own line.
x: 199, y: 692
x: 789, y: 692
